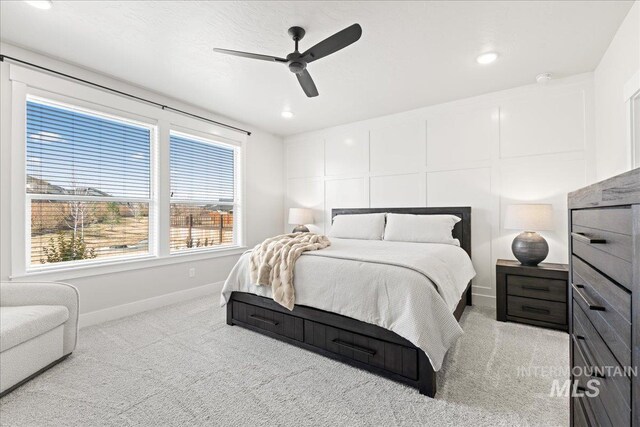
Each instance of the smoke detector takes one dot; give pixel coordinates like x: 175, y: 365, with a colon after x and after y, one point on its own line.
x: 543, y: 78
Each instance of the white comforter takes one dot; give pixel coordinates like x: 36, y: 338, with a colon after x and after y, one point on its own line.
x: 408, y: 288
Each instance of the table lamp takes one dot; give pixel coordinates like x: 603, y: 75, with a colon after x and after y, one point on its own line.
x: 299, y: 217
x: 529, y: 247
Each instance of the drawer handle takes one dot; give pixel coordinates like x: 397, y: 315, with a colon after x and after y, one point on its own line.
x: 577, y: 339
x: 354, y: 347
x: 535, y: 288
x: 535, y: 309
x: 263, y: 319
x: 587, y: 299
x: 581, y: 237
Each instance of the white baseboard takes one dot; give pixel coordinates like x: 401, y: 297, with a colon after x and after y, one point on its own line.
x: 484, y: 300
x: 119, y: 311
x: 112, y: 313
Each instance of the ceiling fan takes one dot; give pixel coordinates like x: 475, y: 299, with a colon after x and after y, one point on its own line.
x: 297, y: 62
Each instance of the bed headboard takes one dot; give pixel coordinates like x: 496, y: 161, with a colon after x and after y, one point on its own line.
x: 461, y: 231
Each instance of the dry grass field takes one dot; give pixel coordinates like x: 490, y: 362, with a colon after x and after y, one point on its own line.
x: 130, y: 236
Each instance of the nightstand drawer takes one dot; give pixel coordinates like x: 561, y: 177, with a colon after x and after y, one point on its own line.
x: 535, y: 287
x: 529, y: 308
x: 534, y: 295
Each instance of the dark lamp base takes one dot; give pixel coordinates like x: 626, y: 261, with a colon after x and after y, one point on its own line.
x: 301, y: 229
x: 530, y: 248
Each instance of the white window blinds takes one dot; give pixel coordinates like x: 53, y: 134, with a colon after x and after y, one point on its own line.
x: 88, y: 184
x: 203, y: 192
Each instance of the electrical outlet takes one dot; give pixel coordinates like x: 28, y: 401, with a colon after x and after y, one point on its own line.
x: 192, y: 272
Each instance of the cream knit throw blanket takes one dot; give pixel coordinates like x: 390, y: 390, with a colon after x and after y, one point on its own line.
x: 273, y: 260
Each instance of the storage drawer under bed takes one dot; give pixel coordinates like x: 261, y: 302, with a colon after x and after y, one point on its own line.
x: 381, y: 354
x: 377, y: 353
x: 269, y: 320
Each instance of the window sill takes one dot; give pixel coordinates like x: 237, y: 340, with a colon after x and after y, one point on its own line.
x: 139, y: 263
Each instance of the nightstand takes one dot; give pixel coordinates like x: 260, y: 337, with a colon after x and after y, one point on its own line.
x: 533, y: 295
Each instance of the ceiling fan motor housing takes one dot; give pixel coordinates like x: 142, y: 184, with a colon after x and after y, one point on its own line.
x: 295, y: 64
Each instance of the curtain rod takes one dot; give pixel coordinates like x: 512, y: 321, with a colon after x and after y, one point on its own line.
x: 148, y: 101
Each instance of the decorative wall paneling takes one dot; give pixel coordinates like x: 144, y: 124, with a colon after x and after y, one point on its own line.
x: 529, y: 144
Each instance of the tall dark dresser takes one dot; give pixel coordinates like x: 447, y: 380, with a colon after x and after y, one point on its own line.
x: 604, y: 291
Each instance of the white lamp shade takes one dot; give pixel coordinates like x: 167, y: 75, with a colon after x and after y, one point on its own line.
x: 300, y: 216
x: 529, y: 217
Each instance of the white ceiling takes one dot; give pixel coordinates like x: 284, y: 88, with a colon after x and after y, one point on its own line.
x: 411, y: 54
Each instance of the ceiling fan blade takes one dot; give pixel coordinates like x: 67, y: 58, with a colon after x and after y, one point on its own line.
x: 250, y: 55
x: 339, y: 40
x: 309, y: 87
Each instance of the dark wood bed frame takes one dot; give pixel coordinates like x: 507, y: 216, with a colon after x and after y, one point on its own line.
x: 351, y: 341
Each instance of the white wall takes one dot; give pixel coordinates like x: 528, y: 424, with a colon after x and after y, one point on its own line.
x: 529, y: 144
x: 618, y: 65
x: 264, y: 207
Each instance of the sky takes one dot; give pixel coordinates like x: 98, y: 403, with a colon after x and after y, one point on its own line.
x: 73, y: 149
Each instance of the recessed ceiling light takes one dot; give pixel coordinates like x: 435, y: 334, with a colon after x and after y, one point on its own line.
x: 40, y: 4
x: 287, y: 114
x: 487, y: 58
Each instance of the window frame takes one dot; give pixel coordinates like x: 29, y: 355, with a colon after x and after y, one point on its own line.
x: 237, y: 190
x: 27, y: 83
x: 105, y: 112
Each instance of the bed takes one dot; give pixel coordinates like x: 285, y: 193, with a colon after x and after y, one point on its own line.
x: 406, y: 344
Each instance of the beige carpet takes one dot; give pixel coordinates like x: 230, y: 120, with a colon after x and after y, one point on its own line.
x: 182, y: 365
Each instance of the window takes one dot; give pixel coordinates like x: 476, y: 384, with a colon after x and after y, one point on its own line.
x: 203, y: 193
x: 88, y: 184
x: 106, y: 183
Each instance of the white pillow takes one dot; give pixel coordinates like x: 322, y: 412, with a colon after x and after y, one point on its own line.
x: 421, y: 228
x: 359, y: 226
